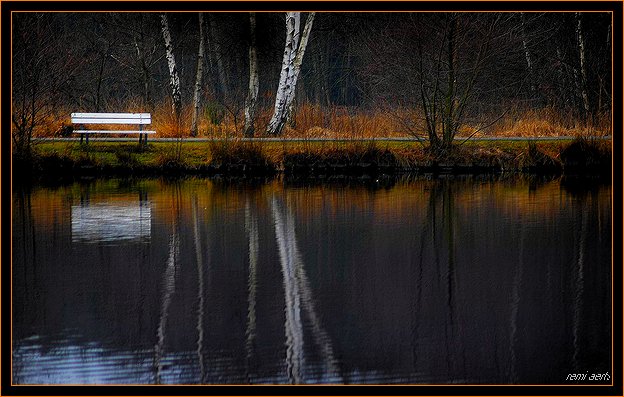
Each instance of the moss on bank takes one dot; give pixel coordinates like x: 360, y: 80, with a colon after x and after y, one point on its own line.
x: 60, y: 159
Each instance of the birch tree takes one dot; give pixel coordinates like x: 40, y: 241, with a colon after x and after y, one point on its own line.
x: 174, y: 79
x: 582, y: 83
x: 198, y: 76
x: 294, y: 50
x: 254, y: 83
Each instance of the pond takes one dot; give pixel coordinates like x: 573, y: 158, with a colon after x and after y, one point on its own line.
x: 409, y: 280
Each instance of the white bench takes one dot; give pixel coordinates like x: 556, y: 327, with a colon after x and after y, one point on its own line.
x: 140, y: 119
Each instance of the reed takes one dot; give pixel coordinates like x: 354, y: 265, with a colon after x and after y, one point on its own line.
x: 339, y: 122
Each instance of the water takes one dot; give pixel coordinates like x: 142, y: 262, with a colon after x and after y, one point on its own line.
x: 453, y: 280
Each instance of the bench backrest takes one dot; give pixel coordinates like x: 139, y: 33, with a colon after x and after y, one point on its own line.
x: 111, y: 118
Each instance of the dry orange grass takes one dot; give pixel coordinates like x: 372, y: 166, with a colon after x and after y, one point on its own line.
x: 339, y: 122
x: 547, y: 122
x: 51, y: 122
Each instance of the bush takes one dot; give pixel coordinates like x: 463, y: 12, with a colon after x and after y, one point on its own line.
x: 240, y: 156
x: 586, y: 154
x: 215, y: 112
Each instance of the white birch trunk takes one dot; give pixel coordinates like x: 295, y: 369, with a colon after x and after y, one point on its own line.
x: 254, y: 83
x: 277, y: 123
x: 198, y: 76
x: 294, y: 50
x: 581, y: 47
x: 174, y: 80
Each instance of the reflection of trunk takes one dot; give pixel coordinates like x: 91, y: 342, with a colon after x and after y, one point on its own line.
x: 174, y: 80
x: 169, y: 289
x: 251, y: 227
x: 254, y: 84
x: 515, y: 306
x: 293, y: 326
x: 29, y: 243
x: 449, y: 221
x: 579, y: 283
x: 443, y: 242
x: 428, y: 223
x: 200, y: 291
x: 298, y: 294
x: 198, y: 76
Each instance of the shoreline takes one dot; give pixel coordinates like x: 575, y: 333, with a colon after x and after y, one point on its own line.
x: 56, y: 160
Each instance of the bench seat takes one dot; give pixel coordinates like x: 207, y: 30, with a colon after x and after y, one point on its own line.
x: 140, y: 119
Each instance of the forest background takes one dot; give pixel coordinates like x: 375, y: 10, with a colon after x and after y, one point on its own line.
x: 363, y: 74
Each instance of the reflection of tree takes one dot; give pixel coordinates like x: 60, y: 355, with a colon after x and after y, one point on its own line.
x: 168, y: 285
x: 28, y: 241
x: 298, y: 295
x: 169, y: 289
x: 200, y: 289
x: 515, y: 305
x: 439, y: 225
x: 251, y: 227
x: 579, y: 281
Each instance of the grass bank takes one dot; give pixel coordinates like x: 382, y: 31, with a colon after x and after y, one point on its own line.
x: 62, y: 159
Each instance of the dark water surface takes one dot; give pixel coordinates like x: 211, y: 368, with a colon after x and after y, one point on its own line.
x: 455, y: 280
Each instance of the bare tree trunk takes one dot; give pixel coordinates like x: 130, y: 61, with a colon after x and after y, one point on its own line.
x: 449, y: 124
x: 294, y: 50
x: 581, y: 47
x: 100, y: 78
x: 527, y: 56
x: 604, y: 90
x: 145, y: 75
x: 567, y: 81
x: 198, y: 76
x: 254, y: 84
x: 216, y: 63
x: 320, y: 67
x: 174, y: 80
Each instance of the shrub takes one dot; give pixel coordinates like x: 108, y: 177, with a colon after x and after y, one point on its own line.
x: 586, y: 154
x: 224, y: 151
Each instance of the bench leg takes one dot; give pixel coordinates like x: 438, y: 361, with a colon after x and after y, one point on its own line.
x: 81, y: 136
